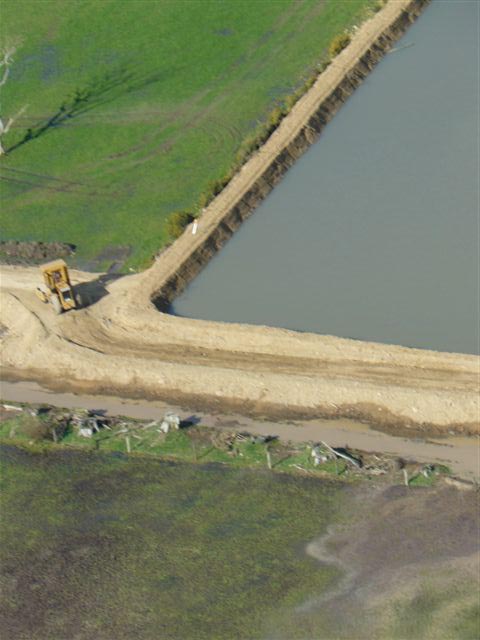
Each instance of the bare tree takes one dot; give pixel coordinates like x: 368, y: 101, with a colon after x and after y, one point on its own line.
x: 6, y: 60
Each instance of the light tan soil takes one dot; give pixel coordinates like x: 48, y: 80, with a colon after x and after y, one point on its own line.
x: 114, y: 347
x: 122, y: 345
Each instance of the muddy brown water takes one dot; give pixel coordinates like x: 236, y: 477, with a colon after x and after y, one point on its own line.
x: 373, y: 234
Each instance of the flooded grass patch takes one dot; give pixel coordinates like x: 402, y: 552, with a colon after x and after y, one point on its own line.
x: 197, y: 537
x: 410, y: 560
x: 94, y: 545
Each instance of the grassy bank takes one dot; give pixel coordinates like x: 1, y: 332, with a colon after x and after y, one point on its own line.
x: 40, y: 427
x: 138, y: 109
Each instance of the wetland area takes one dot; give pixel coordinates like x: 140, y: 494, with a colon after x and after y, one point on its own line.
x: 114, y: 547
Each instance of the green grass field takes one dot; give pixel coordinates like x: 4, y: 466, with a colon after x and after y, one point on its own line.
x: 135, y: 107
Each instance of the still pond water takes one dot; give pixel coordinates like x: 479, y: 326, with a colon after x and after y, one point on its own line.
x: 373, y: 234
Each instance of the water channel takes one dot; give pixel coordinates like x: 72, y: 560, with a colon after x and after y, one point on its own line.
x: 373, y: 234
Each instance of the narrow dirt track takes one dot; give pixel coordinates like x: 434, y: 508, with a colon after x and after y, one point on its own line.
x: 95, y: 336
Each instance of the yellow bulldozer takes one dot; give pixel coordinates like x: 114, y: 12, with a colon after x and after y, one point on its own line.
x: 57, y: 288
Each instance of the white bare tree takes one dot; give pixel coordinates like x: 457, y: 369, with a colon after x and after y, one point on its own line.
x: 7, y: 52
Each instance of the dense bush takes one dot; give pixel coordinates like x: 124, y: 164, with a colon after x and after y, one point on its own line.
x: 262, y: 133
x: 177, y: 221
x: 214, y: 188
x: 379, y: 5
x: 338, y: 44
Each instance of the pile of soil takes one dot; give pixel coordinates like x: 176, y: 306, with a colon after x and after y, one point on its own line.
x: 16, y: 252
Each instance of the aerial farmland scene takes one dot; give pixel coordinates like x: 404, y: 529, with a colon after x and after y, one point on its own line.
x: 239, y: 320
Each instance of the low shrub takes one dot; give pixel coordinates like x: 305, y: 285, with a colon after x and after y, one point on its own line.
x: 324, y: 65
x: 309, y: 82
x: 213, y: 189
x: 338, y: 44
x: 248, y: 146
x: 378, y: 6
x: 275, y: 117
x: 291, y: 99
x: 177, y: 221
x: 262, y: 133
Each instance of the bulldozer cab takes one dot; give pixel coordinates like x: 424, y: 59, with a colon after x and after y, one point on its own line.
x: 55, y: 273
x: 57, y: 281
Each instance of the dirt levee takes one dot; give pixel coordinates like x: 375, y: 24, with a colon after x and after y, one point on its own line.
x: 112, y: 346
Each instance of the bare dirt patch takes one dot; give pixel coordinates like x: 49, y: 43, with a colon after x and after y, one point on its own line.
x: 26, y: 253
x: 113, y: 256
x: 119, y: 344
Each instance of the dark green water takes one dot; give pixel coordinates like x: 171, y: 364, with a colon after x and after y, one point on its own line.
x: 373, y: 234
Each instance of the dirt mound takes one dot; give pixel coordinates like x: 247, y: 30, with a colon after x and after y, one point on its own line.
x: 18, y: 252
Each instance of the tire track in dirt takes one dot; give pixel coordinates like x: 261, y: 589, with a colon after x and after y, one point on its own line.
x: 296, y: 375
x: 380, y: 374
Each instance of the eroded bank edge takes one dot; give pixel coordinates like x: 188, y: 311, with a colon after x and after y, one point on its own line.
x: 56, y: 421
